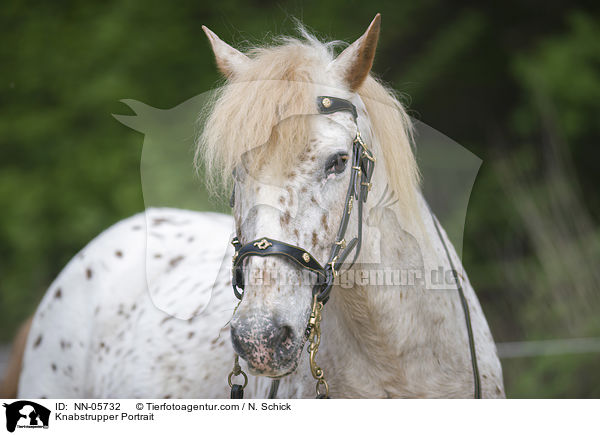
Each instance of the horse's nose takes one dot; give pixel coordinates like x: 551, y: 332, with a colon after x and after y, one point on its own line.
x: 265, y: 342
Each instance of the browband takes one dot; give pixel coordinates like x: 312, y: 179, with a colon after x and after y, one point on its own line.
x: 327, y: 105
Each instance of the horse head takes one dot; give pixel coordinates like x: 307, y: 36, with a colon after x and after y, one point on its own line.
x: 292, y: 137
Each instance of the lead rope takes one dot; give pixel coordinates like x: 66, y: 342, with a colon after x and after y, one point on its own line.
x: 465, y: 307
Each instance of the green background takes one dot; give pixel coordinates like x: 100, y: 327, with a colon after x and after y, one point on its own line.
x: 518, y: 84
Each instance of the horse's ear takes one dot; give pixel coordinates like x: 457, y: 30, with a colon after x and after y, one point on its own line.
x: 355, y: 62
x: 229, y: 60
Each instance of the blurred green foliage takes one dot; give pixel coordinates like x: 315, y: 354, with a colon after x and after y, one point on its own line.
x: 517, y: 83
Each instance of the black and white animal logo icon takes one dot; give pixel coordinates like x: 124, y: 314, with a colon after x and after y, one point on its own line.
x: 26, y: 414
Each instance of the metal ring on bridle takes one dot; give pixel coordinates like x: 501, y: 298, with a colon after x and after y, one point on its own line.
x: 322, y: 383
x: 233, y: 374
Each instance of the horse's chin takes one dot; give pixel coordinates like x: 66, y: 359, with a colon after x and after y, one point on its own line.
x: 280, y: 370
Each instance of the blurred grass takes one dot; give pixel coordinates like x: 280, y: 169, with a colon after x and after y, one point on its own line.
x: 519, y: 88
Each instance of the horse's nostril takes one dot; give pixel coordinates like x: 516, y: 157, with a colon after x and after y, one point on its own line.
x: 286, y: 336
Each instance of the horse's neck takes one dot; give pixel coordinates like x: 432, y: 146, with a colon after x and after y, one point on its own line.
x: 377, y: 335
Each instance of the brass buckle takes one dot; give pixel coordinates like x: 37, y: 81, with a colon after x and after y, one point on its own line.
x: 341, y: 243
x: 367, y: 153
x: 332, y: 264
x: 359, y: 139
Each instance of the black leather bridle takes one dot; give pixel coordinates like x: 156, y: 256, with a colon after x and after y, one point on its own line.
x: 363, y: 163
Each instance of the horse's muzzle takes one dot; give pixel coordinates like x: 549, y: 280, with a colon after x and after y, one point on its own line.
x: 269, y: 345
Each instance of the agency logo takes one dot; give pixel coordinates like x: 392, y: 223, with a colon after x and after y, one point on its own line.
x: 26, y: 415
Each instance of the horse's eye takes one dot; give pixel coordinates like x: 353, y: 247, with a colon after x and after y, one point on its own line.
x: 336, y: 164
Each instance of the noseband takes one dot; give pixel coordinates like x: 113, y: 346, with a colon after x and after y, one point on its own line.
x: 363, y: 163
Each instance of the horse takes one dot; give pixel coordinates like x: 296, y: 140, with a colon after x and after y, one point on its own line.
x: 325, y: 186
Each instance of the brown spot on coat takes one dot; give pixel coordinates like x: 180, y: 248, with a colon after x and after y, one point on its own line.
x: 314, y: 238
x: 58, y: 293
x: 37, y: 341
x: 89, y: 273
x: 158, y: 221
x: 175, y: 261
x: 285, y: 219
x: 119, y: 254
x: 324, y: 222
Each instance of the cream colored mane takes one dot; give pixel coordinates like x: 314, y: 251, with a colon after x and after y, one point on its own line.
x: 278, y: 84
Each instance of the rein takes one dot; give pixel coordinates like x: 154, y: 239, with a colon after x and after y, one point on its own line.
x: 363, y: 164
x: 465, y: 307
